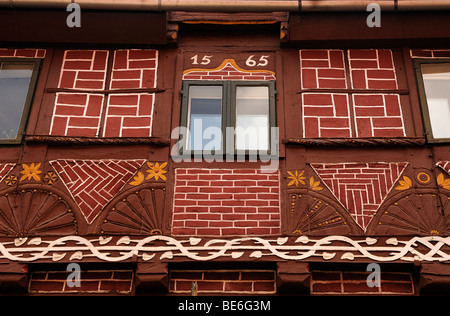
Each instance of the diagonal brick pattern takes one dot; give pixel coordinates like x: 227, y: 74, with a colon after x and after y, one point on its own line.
x: 360, y: 187
x: 4, y: 169
x: 445, y: 165
x: 93, y: 183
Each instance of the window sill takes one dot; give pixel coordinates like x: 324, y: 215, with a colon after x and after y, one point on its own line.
x: 355, y: 142
x: 65, y: 140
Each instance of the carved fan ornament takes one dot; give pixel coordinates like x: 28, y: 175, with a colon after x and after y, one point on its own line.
x: 421, y: 207
x: 311, y: 212
x: 33, y: 212
x: 136, y: 212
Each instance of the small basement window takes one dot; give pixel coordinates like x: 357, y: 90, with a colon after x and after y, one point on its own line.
x: 434, y: 89
x: 17, y: 82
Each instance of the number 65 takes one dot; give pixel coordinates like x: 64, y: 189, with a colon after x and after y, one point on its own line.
x: 263, y: 61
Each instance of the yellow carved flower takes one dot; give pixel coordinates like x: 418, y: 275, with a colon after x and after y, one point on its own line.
x: 138, y: 179
x: 156, y: 171
x: 314, y: 185
x: 405, y: 184
x: 296, y: 178
x: 445, y: 183
x: 31, y: 171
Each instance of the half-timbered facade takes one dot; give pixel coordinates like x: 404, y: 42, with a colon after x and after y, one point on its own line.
x: 243, y: 147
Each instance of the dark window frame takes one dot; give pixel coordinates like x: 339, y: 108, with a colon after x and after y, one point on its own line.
x: 418, y: 62
x: 229, y: 116
x: 21, y: 128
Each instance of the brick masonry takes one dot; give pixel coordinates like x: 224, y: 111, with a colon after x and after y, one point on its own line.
x: 92, y: 281
x: 360, y: 187
x: 352, y: 282
x: 224, y: 202
x: 378, y: 115
x: 361, y: 113
x: 84, y: 69
x: 93, y: 183
x: 326, y: 115
x: 372, y: 69
x: 129, y: 115
x: 430, y: 53
x: 134, y: 68
x: 228, y: 70
x: 79, y: 114
x: 22, y: 52
x: 255, y: 282
x: 323, y: 69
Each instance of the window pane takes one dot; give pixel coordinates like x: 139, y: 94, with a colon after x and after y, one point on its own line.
x: 14, y: 84
x: 436, y: 79
x: 205, y: 118
x: 252, y: 118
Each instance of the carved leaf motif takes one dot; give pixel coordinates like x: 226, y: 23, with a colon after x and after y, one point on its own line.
x: 138, y: 179
x: 445, y: 183
x: 166, y: 255
x: 405, y: 184
x: 348, y: 256
x: 256, y: 254
x: 328, y: 256
x: 76, y: 256
x: 314, y: 185
x: 147, y: 257
x: 124, y: 240
x: 58, y: 256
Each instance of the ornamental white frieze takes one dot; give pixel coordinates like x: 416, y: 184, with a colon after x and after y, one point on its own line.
x: 165, y: 248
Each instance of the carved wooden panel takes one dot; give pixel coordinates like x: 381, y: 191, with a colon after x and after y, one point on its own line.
x: 34, y: 211
x: 314, y: 214
x: 136, y: 212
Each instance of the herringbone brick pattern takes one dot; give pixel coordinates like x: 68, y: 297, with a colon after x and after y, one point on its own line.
x: 93, y: 183
x: 360, y: 187
x: 445, y: 165
x: 4, y: 169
